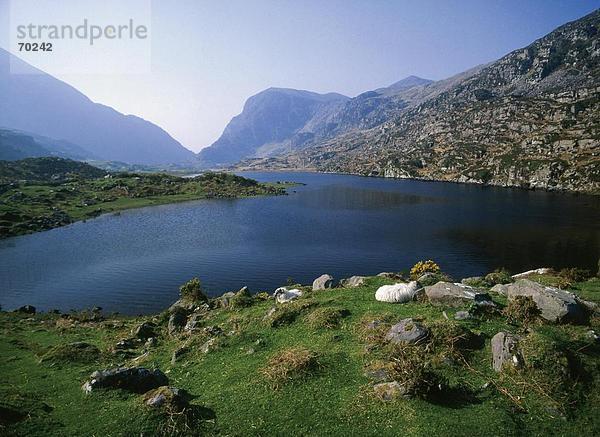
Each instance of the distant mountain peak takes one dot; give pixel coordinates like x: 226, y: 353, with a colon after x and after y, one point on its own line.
x: 409, y: 82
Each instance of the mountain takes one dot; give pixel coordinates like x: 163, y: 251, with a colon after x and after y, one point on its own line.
x: 267, y: 124
x: 530, y: 119
x: 278, y: 120
x: 15, y: 145
x: 39, y: 103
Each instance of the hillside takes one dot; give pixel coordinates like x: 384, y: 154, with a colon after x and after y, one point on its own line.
x: 530, y: 119
x: 334, y: 361
x: 37, y: 194
x: 38, y: 103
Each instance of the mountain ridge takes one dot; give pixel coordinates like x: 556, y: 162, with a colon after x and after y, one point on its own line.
x: 38, y: 103
x: 530, y: 119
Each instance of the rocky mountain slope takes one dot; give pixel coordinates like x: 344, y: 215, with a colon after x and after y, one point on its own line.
x: 41, y: 104
x: 279, y: 121
x: 530, y: 119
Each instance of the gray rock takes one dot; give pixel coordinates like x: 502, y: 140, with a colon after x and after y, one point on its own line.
x: 224, y: 300
x: 134, y: 379
x: 540, y: 271
x: 151, y: 342
x: 428, y: 279
x: 406, y: 331
x: 501, y: 289
x: 555, y: 305
x: 144, y: 331
x: 505, y: 351
x: 388, y: 391
x: 322, y: 282
x: 177, y: 320
x: 353, y: 281
x: 462, y: 315
x: 170, y: 398
x: 449, y: 294
x: 194, y: 322
x: 26, y: 309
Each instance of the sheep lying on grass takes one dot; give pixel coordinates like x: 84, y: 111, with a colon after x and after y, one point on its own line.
x: 283, y: 295
x: 397, y: 293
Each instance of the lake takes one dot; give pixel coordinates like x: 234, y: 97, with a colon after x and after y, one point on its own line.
x: 343, y: 225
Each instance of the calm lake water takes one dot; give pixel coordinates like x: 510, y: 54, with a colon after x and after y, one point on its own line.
x: 343, y: 225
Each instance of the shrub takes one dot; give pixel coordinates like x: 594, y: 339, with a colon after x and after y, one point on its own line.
x: 412, y: 367
x: 192, y: 290
x: 575, y: 275
x: 290, y: 364
x: 450, y: 338
x: 326, y: 317
x: 522, y: 309
x: 499, y: 276
x: 241, y: 299
x: 263, y: 295
x: 423, y: 267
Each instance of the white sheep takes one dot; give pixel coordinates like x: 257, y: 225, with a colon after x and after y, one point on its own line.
x: 283, y: 295
x: 397, y: 293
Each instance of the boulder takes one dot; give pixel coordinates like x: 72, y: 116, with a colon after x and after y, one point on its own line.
x: 406, y: 331
x: 209, y: 345
x: 170, y: 398
x: 397, y: 293
x: 26, y: 309
x: 505, y: 351
x: 283, y: 295
x: 449, y: 294
x: 388, y: 391
x: 322, y: 282
x: 501, y: 289
x: 471, y: 280
x: 177, y: 320
x: 224, y: 301
x: 144, y: 331
x: 555, y: 305
x: 127, y: 344
x: 428, y: 279
x: 179, y: 352
x: 353, y: 281
x: 134, y: 379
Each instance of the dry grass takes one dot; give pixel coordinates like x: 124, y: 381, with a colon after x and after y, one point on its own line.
x: 290, y: 364
x: 523, y: 310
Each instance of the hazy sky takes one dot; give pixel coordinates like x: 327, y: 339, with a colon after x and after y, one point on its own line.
x: 209, y: 56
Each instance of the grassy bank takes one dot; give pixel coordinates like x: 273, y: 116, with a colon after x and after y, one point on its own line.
x: 303, y: 370
x: 43, y: 193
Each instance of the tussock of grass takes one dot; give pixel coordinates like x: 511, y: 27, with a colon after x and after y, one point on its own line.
x: 290, y: 364
x: 79, y: 352
x: 328, y: 318
x: 522, y: 309
x: 287, y: 313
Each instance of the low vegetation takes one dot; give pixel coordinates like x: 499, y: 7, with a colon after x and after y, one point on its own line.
x: 319, y: 365
x: 44, y: 193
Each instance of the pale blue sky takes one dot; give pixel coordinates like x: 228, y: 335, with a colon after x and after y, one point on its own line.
x: 209, y: 56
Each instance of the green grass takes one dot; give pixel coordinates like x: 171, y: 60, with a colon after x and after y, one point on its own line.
x: 234, y: 397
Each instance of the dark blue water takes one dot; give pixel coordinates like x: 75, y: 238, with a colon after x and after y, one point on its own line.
x: 342, y: 225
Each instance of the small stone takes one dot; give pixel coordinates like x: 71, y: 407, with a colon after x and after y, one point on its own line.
x: 144, y: 331
x: 462, y: 315
x: 322, y: 282
x: 170, y: 398
x: 353, y: 281
x: 406, y: 331
x: 388, y: 391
